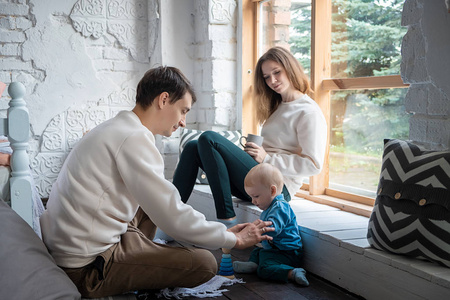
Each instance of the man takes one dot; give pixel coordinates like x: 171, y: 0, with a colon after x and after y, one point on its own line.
x: 111, y: 194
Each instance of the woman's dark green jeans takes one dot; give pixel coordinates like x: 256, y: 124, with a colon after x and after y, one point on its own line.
x: 225, y: 165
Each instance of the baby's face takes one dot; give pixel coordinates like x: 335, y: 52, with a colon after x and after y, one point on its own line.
x: 261, y: 195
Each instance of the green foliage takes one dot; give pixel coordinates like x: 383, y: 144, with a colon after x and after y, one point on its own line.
x: 370, y: 118
x: 300, y: 36
x: 366, y: 37
x: 366, y: 41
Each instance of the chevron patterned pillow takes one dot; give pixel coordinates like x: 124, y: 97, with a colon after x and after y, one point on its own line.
x: 411, y: 215
x: 192, y: 134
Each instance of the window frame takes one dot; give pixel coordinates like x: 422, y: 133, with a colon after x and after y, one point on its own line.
x: 318, y: 188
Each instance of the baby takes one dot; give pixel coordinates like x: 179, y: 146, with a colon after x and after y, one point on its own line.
x: 279, y: 259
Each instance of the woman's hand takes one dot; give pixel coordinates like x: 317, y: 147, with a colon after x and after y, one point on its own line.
x: 249, y: 234
x: 257, y: 152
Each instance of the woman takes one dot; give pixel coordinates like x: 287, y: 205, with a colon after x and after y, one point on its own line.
x: 294, y: 131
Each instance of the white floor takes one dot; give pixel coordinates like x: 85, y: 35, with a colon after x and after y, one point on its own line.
x: 336, y: 248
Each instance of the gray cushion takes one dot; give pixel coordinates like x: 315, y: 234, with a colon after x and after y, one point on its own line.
x: 27, y: 269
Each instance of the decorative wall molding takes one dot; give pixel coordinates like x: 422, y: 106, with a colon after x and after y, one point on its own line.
x: 132, y: 23
x: 66, y: 129
x: 221, y: 11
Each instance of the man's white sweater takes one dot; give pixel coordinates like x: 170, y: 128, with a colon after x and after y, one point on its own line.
x: 112, y: 171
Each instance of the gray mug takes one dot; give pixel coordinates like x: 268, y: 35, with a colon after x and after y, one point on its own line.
x: 257, y: 139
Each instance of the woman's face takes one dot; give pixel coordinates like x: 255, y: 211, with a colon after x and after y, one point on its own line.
x: 275, y: 76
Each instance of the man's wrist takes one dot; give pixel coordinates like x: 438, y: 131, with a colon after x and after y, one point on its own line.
x: 238, y: 242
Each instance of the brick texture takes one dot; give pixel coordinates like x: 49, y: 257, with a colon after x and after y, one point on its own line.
x: 427, y: 98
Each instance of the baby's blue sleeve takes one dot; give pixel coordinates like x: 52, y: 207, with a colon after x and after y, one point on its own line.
x: 266, y: 244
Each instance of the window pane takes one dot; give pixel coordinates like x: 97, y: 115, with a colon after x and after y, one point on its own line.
x: 287, y: 24
x: 300, y: 33
x: 265, y: 27
x: 366, y: 38
x: 360, y: 121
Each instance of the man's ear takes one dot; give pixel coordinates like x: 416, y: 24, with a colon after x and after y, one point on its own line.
x: 273, y: 190
x: 163, y: 99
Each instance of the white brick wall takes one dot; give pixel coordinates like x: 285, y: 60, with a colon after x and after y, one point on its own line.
x: 214, y: 75
x: 426, y: 67
x: 14, y: 9
x: 64, y: 62
x: 67, y: 70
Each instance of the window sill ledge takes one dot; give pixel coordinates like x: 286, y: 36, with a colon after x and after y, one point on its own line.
x: 345, y: 205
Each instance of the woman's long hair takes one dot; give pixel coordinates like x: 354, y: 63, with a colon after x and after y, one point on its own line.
x: 267, y: 99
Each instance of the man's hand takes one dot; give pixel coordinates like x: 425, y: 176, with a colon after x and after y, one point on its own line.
x: 249, y: 234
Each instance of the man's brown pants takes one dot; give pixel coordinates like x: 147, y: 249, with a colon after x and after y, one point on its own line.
x: 137, y: 263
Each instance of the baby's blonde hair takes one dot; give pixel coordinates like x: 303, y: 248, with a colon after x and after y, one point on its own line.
x: 264, y: 174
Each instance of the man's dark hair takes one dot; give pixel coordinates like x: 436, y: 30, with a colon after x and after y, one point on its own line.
x: 163, y: 79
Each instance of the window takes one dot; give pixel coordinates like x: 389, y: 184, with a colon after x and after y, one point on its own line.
x: 351, y: 50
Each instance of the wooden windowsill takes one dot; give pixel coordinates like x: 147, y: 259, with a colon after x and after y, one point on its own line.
x: 363, y: 83
x: 343, y: 204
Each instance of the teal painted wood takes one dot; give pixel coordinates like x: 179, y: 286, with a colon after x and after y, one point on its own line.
x: 18, y: 129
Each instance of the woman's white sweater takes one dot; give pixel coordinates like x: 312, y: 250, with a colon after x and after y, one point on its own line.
x: 295, y: 137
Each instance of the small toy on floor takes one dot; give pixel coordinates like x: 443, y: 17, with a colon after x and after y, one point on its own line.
x: 226, y: 265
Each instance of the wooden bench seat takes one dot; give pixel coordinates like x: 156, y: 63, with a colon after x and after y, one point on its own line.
x: 336, y: 249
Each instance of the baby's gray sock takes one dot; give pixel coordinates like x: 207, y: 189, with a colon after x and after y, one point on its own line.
x: 300, y: 276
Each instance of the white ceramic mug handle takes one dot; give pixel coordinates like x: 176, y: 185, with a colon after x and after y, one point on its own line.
x: 240, y: 140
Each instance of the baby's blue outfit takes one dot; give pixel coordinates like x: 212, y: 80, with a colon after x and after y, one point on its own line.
x: 283, y: 253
